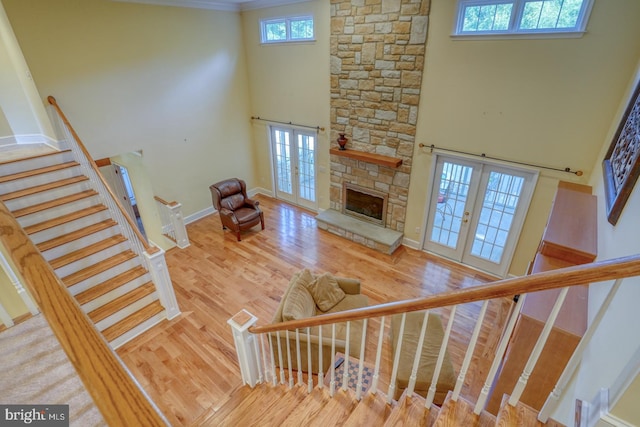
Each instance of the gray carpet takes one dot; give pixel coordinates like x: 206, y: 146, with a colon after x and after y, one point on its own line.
x: 35, y: 370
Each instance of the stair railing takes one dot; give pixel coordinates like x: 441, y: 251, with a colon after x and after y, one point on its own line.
x: 615, y: 269
x: 172, y: 222
x: 152, y: 256
x: 114, y: 391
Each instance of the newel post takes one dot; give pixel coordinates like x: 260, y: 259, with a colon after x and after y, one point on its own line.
x: 246, y: 348
x: 177, y: 222
x: 160, y: 275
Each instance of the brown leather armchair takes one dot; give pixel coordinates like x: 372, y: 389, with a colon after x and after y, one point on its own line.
x: 237, y: 211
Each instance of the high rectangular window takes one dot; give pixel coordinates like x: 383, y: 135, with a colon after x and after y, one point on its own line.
x: 288, y: 29
x: 509, y: 17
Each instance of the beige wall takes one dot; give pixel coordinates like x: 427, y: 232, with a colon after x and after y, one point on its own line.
x: 616, y: 340
x: 545, y: 101
x: 290, y: 83
x: 169, y: 81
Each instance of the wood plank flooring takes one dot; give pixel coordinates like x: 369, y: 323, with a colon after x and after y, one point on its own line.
x: 188, y: 366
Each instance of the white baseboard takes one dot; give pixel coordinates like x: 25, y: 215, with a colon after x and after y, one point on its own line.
x: 199, y: 215
x: 29, y: 139
x: 410, y: 243
x: 259, y: 190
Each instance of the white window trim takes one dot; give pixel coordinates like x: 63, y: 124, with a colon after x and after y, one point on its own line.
x: 513, y: 32
x: 287, y: 20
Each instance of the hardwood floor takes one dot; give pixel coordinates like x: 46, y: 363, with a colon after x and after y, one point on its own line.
x: 188, y: 366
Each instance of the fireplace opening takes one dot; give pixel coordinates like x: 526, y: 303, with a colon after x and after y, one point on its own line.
x: 363, y: 203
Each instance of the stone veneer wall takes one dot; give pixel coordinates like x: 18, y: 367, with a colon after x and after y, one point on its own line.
x: 377, y: 60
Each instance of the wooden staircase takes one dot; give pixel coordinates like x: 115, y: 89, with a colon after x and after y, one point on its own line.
x: 67, y: 221
x: 268, y: 405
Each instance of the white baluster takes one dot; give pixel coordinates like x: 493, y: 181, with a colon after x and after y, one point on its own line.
x: 467, y: 358
x: 443, y: 351
x: 274, y: 378
x: 417, y: 356
x: 345, y: 371
x: 298, y: 359
x: 376, y: 370
x: 537, y: 349
x: 5, y: 318
x: 286, y: 337
x: 258, y: 364
x: 177, y: 224
x: 265, y: 366
x: 310, y: 370
x: 363, y: 343
x: 497, y: 360
x: 396, y: 360
x: 576, y: 357
x: 22, y: 292
x: 320, y: 367
x: 332, y: 368
x: 282, y: 378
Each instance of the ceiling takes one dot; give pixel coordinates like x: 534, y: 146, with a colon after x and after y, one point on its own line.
x: 230, y: 5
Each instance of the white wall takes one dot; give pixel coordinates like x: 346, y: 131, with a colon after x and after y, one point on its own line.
x: 544, y: 101
x: 617, y: 339
x: 290, y: 83
x: 169, y: 81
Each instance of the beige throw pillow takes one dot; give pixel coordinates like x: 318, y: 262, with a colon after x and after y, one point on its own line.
x: 299, y: 304
x: 326, y: 292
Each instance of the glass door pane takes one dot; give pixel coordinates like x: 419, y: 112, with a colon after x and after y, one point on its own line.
x: 306, y: 170
x: 281, y: 141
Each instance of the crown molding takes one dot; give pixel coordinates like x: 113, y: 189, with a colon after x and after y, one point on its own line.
x: 229, y: 5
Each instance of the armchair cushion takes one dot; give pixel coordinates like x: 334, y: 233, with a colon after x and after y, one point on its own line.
x: 326, y: 292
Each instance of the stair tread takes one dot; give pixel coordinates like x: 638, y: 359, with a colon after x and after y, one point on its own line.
x: 411, y: 411
x: 63, y: 219
x: 132, y: 320
x: 111, y: 284
x: 44, y: 187
x: 460, y: 413
x: 519, y: 415
x: 92, y: 270
x: 37, y: 156
x: 75, y: 235
x: 54, y: 203
x: 39, y: 171
x: 76, y: 255
x: 121, y: 302
x: 372, y: 410
x: 336, y: 410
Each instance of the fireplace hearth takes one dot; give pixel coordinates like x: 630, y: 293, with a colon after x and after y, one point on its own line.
x: 364, y: 203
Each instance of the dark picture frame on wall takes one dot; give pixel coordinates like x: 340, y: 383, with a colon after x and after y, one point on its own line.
x: 621, y: 165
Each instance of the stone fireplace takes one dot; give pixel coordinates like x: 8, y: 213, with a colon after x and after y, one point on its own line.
x: 365, y: 204
x: 377, y: 52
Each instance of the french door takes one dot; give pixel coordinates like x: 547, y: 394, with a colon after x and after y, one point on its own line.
x: 294, y: 166
x: 476, y: 212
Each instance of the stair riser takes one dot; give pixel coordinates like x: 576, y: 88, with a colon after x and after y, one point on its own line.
x: 56, y: 193
x: 40, y: 179
x: 59, y: 230
x: 67, y: 208
x: 142, y: 327
x: 92, y: 259
x: 74, y: 245
x: 126, y: 311
x: 35, y: 163
x: 103, y: 276
x: 118, y: 292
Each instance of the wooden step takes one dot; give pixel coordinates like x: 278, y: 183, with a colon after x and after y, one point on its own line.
x: 35, y: 157
x: 520, y: 415
x: 39, y: 171
x: 121, y: 302
x: 108, y: 263
x: 130, y: 322
x: 460, y: 413
x: 111, y: 284
x: 54, y: 203
x: 64, y: 219
x: 41, y: 188
x: 410, y: 411
x: 75, y: 235
x: 336, y: 410
x: 87, y: 251
x: 372, y: 410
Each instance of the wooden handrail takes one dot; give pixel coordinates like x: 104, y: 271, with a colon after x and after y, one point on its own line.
x: 114, y: 391
x: 576, y: 275
x: 127, y: 218
x: 164, y: 202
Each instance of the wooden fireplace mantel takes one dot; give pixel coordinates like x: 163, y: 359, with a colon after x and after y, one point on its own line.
x: 379, y: 159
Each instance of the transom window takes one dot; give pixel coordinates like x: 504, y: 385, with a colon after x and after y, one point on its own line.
x: 494, y: 17
x: 288, y: 29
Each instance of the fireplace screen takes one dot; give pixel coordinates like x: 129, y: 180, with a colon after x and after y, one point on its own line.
x: 364, y: 203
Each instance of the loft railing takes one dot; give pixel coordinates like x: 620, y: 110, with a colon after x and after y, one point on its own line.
x: 257, y: 345
x: 114, y: 391
x: 152, y: 256
x: 172, y: 222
